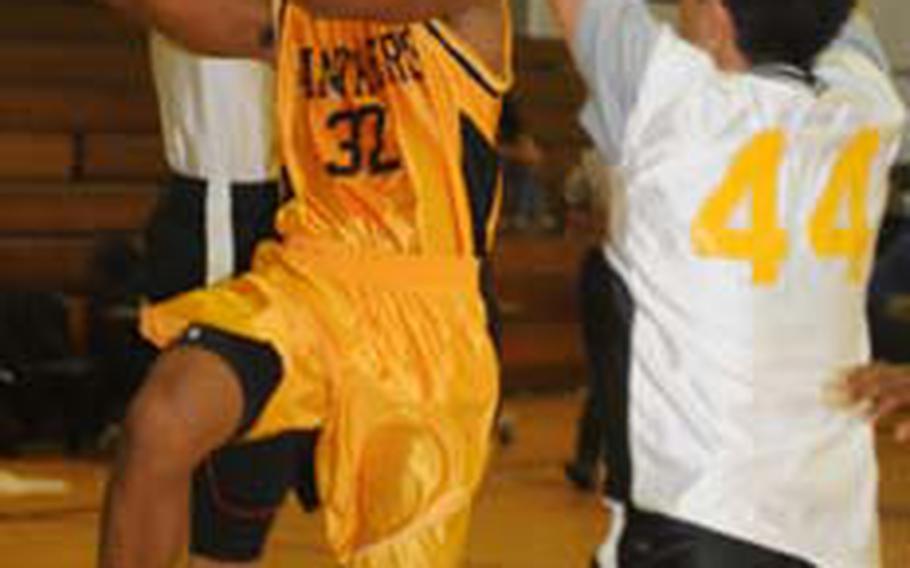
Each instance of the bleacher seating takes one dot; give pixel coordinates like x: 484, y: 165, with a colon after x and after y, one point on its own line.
x: 79, y: 149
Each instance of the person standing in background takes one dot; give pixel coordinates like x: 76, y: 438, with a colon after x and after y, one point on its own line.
x: 586, y: 195
x: 526, y: 202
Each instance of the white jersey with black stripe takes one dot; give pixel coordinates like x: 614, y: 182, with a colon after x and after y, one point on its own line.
x: 744, y: 228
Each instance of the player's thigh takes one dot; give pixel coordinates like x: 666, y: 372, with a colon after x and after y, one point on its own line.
x: 190, y: 403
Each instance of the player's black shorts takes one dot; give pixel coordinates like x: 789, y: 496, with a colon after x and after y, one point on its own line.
x: 654, y: 541
x: 237, y: 491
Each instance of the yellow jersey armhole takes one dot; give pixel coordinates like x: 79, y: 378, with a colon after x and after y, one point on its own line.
x: 495, y: 83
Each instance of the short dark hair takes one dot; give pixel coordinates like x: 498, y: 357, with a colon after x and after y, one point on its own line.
x: 787, y: 31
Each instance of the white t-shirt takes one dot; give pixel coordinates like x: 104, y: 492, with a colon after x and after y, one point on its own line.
x: 216, y: 114
x: 744, y: 228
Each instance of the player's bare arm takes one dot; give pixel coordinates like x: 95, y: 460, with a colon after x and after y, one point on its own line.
x: 230, y: 28
x: 885, y: 390
x: 391, y: 10
x: 479, y: 22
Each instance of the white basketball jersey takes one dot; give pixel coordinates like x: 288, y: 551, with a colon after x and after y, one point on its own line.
x: 745, y: 228
x: 217, y: 115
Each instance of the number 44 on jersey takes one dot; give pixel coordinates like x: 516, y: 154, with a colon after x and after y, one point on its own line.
x: 765, y: 243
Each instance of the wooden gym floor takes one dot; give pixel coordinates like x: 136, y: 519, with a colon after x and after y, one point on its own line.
x: 527, y: 516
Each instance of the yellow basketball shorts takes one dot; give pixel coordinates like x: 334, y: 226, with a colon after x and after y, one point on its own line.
x: 391, y: 359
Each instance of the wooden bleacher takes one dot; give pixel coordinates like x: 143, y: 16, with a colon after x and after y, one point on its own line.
x: 550, y: 93
x: 79, y: 144
x: 536, y: 285
x: 80, y: 155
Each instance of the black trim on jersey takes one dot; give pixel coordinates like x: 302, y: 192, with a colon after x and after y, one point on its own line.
x: 459, y: 58
x: 285, y: 186
x: 480, y: 167
x: 491, y: 303
x: 619, y: 314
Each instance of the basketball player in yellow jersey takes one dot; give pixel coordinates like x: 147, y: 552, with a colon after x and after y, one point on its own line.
x: 366, y: 320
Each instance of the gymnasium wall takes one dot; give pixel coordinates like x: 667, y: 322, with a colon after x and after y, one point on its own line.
x: 892, y: 19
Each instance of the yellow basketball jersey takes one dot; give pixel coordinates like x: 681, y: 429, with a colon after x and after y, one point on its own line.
x: 388, y: 133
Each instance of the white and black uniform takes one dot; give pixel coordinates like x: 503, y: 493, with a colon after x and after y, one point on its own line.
x: 742, y: 235
x: 217, y: 122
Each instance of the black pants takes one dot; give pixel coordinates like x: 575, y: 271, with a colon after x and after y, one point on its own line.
x: 177, y: 237
x: 594, y: 302
x: 655, y: 541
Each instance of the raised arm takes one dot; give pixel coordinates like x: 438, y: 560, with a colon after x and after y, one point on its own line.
x: 391, y: 10
x: 230, y: 28
x: 611, y: 41
x: 479, y: 22
x: 243, y: 28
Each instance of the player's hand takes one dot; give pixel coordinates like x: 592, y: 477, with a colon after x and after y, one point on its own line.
x: 885, y: 389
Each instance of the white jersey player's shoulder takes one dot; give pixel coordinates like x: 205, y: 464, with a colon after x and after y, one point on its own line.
x: 613, y: 45
x: 856, y: 70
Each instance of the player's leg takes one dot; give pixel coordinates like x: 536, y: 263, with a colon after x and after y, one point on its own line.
x: 594, y: 294
x: 237, y: 493
x: 190, y: 404
x: 197, y: 398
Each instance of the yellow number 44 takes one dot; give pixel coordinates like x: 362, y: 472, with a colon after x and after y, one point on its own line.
x: 765, y: 244
x: 850, y: 183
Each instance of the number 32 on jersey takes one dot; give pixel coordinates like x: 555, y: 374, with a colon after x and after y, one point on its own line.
x: 765, y: 244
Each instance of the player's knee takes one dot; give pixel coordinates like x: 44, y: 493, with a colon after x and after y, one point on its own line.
x: 155, y: 434
x: 151, y: 435
x: 404, y: 473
